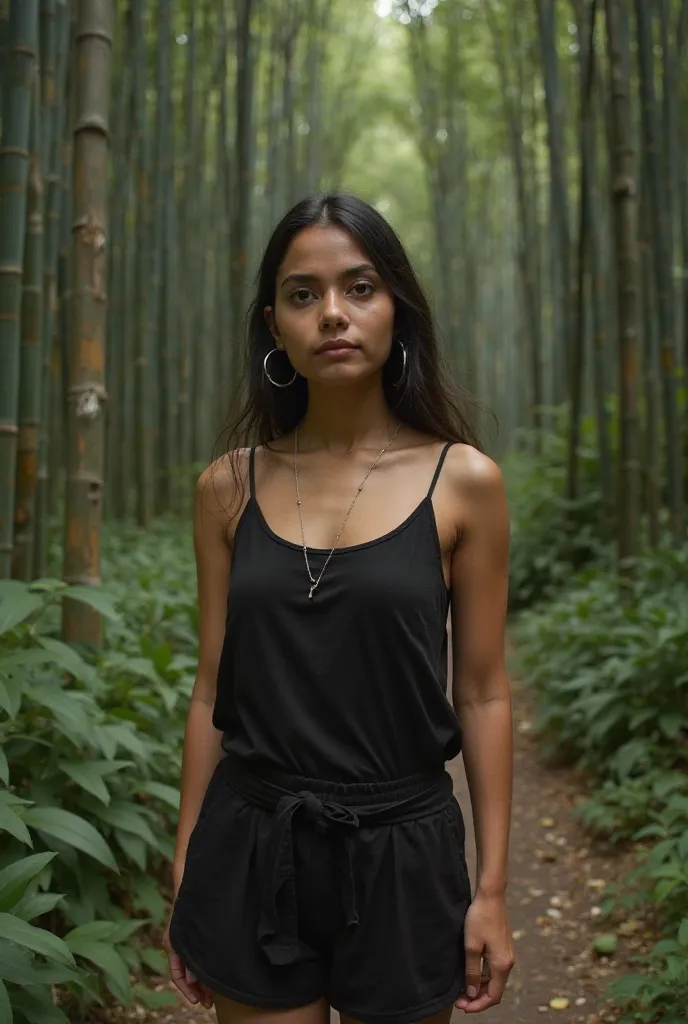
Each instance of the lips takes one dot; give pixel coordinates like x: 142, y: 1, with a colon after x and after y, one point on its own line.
x: 336, y: 345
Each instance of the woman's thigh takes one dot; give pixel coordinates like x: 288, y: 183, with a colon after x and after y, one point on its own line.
x: 230, y: 1012
x: 437, y: 1018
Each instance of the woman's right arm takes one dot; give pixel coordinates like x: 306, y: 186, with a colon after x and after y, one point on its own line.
x: 202, y: 749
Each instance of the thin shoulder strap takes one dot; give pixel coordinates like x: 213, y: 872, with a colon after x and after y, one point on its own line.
x: 252, y: 473
x: 438, y: 470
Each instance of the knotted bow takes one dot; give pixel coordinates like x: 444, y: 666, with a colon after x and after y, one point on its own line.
x: 278, y: 927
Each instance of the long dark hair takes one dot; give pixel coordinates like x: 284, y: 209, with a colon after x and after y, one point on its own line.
x: 423, y: 399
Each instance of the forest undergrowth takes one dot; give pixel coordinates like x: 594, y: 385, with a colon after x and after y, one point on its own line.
x: 606, y: 658
x: 90, y: 745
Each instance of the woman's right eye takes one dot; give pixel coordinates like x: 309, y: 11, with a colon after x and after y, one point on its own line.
x: 300, y: 296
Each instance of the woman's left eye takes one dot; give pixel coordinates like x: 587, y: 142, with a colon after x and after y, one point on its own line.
x: 363, y: 288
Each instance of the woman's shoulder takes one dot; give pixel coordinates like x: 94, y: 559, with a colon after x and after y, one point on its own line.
x: 464, y: 464
x: 475, y: 483
x: 224, y: 484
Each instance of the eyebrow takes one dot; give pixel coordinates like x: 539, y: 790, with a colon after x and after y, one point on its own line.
x: 360, y: 268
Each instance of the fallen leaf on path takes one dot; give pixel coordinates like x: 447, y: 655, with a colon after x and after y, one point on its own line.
x: 605, y: 944
x: 559, y: 1003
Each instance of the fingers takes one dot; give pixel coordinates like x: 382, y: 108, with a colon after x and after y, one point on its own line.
x: 205, y: 996
x: 473, y: 970
x: 187, y: 983
x: 489, y: 993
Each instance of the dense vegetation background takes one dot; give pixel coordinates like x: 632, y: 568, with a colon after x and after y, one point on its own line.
x: 532, y: 155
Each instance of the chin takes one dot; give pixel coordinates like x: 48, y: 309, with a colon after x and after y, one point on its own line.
x: 343, y: 376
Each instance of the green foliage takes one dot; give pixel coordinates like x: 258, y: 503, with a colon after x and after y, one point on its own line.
x: 544, y: 551
x: 608, y: 660
x: 89, y: 762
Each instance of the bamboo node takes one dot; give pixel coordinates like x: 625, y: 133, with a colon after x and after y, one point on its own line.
x: 624, y: 185
x: 89, y: 400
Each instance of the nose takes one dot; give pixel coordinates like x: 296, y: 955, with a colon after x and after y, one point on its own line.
x: 333, y: 312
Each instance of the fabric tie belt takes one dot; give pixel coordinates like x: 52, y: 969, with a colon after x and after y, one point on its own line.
x: 335, y: 807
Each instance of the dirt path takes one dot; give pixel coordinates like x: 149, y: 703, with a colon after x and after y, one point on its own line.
x: 555, y: 887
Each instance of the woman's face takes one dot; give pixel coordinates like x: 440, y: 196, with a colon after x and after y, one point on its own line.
x: 333, y: 314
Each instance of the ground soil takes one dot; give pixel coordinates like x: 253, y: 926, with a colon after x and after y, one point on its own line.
x: 557, y: 879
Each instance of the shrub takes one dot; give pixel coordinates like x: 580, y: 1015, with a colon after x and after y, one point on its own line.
x: 544, y: 552
x: 90, y: 747
x: 609, y: 665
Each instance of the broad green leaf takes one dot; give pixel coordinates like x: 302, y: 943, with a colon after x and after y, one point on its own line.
x: 134, y: 847
x: 36, y: 939
x: 37, y: 1006
x: 48, y: 585
x: 12, y: 823
x: 103, y: 931
x: 106, y: 742
x: 4, y: 767
x: 683, y: 933
x: 72, y: 830
x: 66, y: 657
x: 88, y: 777
x: 154, y: 959
x: 18, y: 607
x: 154, y: 1000
x: 125, y: 737
x: 126, y: 817
x: 66, y: 706
x: 140, y: 667
x: 35, y: 904
x: 168, y: 794
x: 147, y: 897
x: 10, y: 697
x: 57, y: 974
x: 6, y: 1014
x: 16, y: 964
x: 25, y: 658
x: 110, y: 963
x: 16, y: 877
x: 96, y: 598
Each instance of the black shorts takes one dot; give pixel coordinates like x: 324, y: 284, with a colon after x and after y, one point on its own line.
x: 283, y: 905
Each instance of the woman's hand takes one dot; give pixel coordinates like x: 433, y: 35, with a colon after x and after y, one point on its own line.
x: 487, y: 935
x: 184, y: 979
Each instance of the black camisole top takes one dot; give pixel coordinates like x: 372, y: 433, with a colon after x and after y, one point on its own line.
x: 351, y: 685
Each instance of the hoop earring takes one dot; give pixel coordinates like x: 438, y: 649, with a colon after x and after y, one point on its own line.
x: 403, y: 363
x: 275, y: 383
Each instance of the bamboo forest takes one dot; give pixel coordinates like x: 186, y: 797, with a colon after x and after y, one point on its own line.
x: 532, y: 155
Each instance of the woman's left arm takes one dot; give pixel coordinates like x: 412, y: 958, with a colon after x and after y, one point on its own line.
x: 482, y: 699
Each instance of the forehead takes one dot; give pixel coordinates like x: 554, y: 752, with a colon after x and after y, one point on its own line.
x: 323, y: 250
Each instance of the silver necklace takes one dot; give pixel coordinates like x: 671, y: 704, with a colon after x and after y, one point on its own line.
x: 315, y: 582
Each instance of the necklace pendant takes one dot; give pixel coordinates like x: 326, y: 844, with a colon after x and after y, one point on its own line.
x: 310, y: 592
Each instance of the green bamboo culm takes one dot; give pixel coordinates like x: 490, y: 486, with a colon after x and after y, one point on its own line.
x: 30, y: 357
x: 88, y: 313
x: 17, y: 94
x: 54, y: 123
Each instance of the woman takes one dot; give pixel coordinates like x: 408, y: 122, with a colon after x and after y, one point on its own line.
x: 320, y: 852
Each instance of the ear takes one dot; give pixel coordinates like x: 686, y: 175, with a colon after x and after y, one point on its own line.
x: 269, y: 315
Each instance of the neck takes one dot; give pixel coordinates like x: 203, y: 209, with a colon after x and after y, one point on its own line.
x: 341, y: 419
